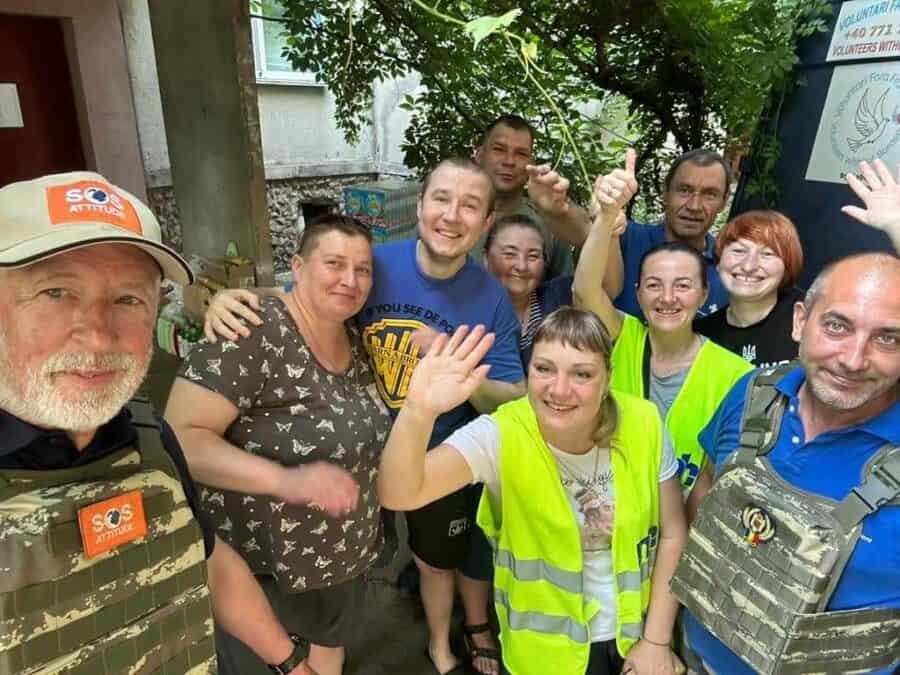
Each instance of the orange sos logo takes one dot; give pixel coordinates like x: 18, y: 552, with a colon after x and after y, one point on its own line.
x: 108, y: 524
x: 91, y: 201
x: 113, y: 518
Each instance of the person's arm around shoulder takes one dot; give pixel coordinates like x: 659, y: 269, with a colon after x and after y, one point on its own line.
x: 494, y: 393
x: 880, y: 193
x: 611, y: 193
x: 241, y: 609
x: 653, y: 652
x: 488, y: 396
x: 447, y: 375
x: 229, y: 306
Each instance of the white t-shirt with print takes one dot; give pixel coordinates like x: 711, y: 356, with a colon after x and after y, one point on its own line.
x: 589, y: 486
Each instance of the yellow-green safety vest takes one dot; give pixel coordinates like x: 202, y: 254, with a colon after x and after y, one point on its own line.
x: 538, y: 587
x: 713, y: 373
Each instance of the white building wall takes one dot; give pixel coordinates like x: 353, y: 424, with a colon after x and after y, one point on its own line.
x: 299, y: 135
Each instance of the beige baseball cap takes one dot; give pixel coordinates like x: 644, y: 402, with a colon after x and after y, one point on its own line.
x: 57, y: 213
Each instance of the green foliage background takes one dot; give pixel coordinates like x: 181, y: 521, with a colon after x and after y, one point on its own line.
x: 663, y: 75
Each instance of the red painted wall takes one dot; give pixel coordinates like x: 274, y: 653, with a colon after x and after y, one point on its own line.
x: 33, y: 56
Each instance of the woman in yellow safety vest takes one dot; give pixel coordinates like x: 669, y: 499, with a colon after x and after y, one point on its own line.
x: 663, y: 360
x: 581, y: 502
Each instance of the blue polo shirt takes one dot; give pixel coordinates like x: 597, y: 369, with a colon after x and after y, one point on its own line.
x: 635, y: 242
x: 829, y: 465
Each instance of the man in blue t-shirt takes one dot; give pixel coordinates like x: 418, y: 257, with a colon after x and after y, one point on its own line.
x: 422, y: 288
x: 842, y: 407
x: 696, y: 189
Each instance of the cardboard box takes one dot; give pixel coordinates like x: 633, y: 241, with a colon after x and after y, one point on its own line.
x: 388, y: 207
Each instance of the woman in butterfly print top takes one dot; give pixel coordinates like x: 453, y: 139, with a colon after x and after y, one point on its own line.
x: 285, y: 429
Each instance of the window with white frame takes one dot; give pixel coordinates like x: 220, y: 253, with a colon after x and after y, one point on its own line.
x: 269, y: 39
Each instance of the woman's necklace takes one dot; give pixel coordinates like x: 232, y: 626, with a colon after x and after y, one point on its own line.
x: 573, y: 474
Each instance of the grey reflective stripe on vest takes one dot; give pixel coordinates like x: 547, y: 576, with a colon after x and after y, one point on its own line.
x: 632, y: 630
x: 539, y: 570
x: 631, y: 581
x: 541, y: 623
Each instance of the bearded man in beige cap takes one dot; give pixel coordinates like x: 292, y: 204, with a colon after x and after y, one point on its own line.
x: 107, y: 565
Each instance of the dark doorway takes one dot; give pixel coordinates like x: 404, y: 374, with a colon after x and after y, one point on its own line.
x: 314, y: 209
x: 33, y: 57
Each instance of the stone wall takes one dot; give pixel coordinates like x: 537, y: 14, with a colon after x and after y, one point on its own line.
x: 162, y: 201
x: 285, y: 198
x: 285, y: 215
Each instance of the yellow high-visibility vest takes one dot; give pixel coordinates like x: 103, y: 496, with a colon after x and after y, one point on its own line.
x: 713, y: 373
x: 538, y: 587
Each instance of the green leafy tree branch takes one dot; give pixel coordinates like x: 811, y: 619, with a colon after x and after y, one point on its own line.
x: 665, y: 75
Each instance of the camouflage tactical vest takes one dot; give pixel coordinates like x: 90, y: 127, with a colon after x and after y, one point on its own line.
x: 140, y: 608
x: 763, y: 558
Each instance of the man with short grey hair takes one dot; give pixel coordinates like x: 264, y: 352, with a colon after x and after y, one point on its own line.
x: 104, y: 554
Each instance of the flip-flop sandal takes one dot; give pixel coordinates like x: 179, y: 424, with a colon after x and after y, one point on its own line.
x: 458, y: 669
x: 475, y: 652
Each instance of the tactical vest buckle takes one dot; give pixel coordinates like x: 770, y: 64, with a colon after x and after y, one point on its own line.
x: 880, y: 488
x: 752, y: 439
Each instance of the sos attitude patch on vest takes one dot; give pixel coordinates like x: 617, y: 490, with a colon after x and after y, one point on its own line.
x: 91, y: 201
x: 108, y: 524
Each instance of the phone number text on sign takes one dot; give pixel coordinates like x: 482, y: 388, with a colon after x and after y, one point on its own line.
x: 866, y: 29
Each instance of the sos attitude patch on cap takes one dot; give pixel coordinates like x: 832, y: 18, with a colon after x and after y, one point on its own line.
x: 91, y: 201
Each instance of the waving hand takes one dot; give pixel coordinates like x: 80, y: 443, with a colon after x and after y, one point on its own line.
x: 449, y: 373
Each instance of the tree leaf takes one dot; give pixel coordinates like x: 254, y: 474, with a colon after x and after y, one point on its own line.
x: 485, y: 26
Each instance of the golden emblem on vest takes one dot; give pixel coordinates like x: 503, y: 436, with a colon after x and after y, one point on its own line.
x: 758, y: 525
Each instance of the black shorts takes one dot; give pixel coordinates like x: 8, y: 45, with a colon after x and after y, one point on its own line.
x: 604, y: 659
x: 441, y: 533
x: 329, y: 617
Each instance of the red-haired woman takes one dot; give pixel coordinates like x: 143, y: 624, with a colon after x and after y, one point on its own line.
x: 760, y: 258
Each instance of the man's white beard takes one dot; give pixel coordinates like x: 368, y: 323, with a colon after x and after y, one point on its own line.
x: 34, y: 397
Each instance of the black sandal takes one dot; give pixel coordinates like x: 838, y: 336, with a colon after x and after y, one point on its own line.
x: 475, y: 652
